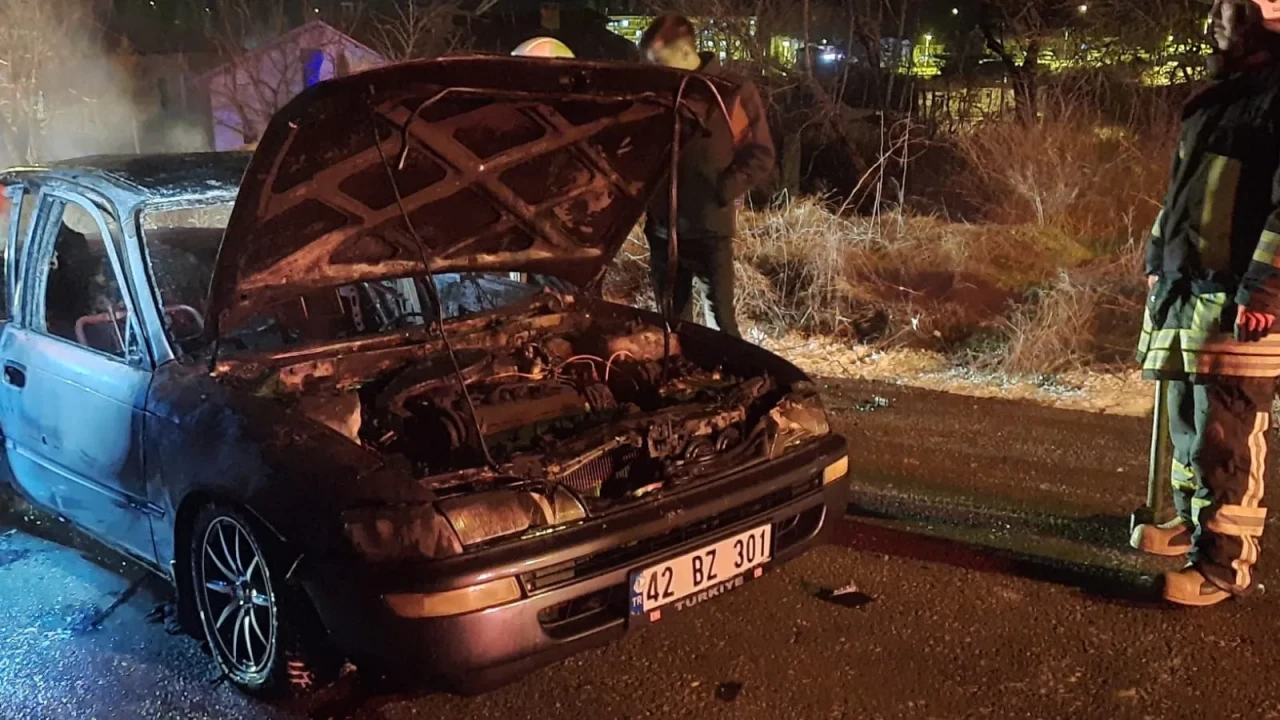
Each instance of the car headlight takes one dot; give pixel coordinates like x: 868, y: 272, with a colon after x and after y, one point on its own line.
x: 480, y: 517
x: 801, y: 414
x: 400, y: 532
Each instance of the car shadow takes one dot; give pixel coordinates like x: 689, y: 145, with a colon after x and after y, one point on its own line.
x: 1102, y: 582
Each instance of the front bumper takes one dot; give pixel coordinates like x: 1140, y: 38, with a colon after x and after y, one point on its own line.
x: 575, y: 582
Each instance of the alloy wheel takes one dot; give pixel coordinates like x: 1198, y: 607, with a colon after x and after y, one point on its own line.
x: 240, y: 607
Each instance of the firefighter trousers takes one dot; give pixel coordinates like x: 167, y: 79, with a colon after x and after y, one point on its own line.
x: 1220, y: 427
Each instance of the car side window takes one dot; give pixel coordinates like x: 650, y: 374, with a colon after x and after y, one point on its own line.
x: 84, y: 301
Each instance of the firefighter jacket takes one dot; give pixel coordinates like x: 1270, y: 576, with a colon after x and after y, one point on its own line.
x: 1214, y: 245
x: 732, y: 156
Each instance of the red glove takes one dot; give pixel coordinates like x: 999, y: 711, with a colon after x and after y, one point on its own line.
x: 1252, y: 326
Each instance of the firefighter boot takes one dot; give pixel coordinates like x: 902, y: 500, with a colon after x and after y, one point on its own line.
x: 1167, y: 540
x: 1190, y: 587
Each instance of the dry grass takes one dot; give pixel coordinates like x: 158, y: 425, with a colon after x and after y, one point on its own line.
x: 1019, y: 299
x: 1049, y: 282
x: 1072, y: 176
x: 1100, y: 184
x: 1053, y: 332
x: 893, y: 279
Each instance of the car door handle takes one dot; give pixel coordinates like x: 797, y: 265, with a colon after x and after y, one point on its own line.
x: 15, y: 376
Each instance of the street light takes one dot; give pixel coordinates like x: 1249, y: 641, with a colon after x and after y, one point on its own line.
x: 955, y: 11
x: 1083, y: 9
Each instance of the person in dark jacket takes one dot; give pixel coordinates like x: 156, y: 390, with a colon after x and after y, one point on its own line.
x: 1211, y: 263
x: 715, y: 172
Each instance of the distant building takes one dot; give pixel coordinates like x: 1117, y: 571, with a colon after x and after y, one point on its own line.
x: 246, y: 90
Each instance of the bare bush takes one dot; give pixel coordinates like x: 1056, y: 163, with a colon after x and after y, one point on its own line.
x: 1074, y: 171
x: 798, y: 251
x: 1019, y: 298
x: 1054, y: 332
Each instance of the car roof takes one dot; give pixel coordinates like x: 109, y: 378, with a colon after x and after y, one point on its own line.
x: 157, y: 176
x: 167, y: 172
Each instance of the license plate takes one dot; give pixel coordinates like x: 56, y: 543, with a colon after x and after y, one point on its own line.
x: 710, y: 571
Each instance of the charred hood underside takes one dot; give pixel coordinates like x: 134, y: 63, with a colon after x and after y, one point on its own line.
x: 471, y: 164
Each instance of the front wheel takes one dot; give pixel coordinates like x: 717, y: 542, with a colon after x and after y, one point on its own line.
x: 259, y: 629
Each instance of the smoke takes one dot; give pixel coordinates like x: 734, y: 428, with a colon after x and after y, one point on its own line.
x: 62, y: 95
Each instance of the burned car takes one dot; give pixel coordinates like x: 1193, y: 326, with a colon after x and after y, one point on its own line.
x: 305, y: 387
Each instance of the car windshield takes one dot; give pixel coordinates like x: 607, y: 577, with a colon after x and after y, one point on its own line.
x: 182, y: 245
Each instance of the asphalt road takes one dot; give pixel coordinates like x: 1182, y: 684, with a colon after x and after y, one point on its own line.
x: 987, y: 543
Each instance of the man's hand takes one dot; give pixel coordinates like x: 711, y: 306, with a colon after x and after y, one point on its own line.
x: 1151, y: 282
x: 1252, y: 326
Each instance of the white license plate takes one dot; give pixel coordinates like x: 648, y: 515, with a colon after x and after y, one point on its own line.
x: 712, y: 570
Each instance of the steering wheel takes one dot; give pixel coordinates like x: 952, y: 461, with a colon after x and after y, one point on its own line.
x: 196, y: 318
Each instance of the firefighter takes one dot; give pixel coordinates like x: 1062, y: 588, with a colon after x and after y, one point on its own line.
x: 1211, y: 263
x: 716, y: 171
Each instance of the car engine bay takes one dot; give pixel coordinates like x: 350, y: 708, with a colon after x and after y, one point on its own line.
x: 602, y: 415
x: 567, y: 413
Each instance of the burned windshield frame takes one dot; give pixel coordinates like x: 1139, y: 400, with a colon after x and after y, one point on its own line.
x: 180, y: 270
x: 182, y: 299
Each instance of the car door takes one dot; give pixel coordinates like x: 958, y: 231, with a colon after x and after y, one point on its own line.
x: 16, y: 210
x: 75, y: 375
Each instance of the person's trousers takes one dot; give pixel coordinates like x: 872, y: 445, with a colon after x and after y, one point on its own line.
x: 710, y: 260
x: 1219, y: 427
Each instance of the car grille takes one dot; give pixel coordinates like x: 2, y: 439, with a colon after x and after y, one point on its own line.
x: 589, y: 478
x: 585, y: 613
x: 558, y: 575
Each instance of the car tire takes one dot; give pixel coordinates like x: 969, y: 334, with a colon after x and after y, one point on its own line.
x: 260, y: 628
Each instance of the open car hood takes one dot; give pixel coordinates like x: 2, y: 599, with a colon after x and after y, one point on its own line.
x: 512, y: 164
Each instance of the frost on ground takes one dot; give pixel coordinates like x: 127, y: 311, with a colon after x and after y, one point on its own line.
x: 1124, y: 393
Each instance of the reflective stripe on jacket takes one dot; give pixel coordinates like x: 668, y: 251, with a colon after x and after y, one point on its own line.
x: 1214, y: 245
x: 1186, y: 335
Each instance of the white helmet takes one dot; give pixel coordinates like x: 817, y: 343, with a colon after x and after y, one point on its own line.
x: 543, y: 47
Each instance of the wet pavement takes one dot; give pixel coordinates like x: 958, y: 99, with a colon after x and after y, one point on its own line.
x: 986, y: 548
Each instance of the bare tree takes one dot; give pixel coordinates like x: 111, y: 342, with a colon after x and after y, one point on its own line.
x: 418, y: 29
x: 1014, y: 31
x: 61, y: 94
